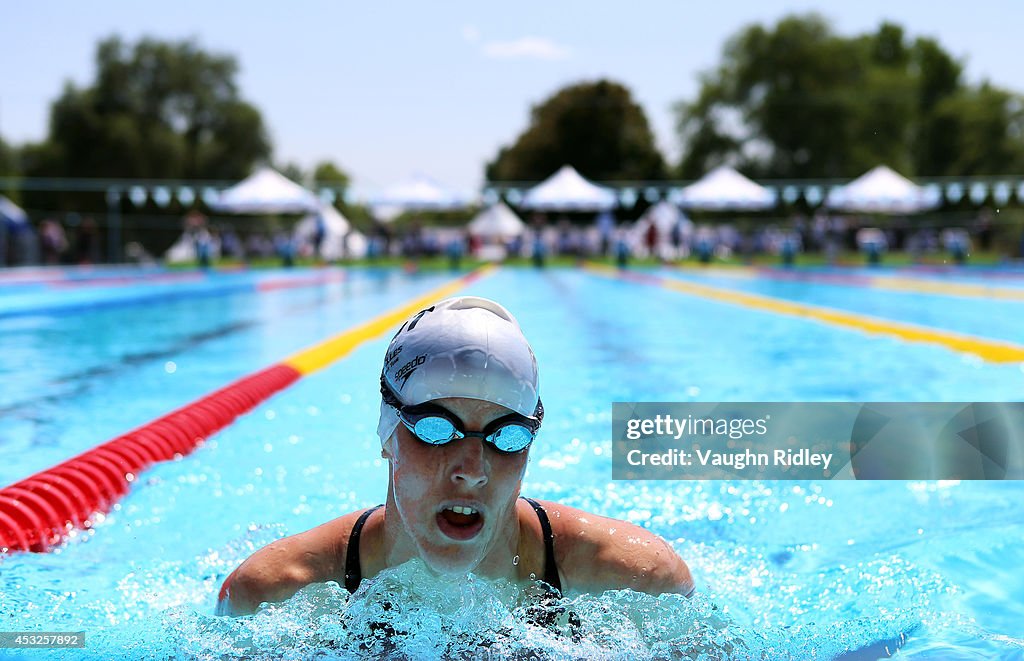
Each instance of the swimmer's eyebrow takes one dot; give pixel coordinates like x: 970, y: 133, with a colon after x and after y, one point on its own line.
x: 431, y: 404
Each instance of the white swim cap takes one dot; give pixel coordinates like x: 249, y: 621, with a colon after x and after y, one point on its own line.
x: 461, y: 347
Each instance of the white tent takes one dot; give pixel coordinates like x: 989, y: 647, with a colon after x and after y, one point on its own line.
x: 497, y: 221
x: 882, y: 190
x: 13, y: 221
x: 419, y: 193
x: 567, y: 190
x: 665, y: 217
x: 266, y: 191
x: 184, y: 249
x: 335, y: 229
x: 356, y: 244
x: 725, y: 188
x: 11, y: 214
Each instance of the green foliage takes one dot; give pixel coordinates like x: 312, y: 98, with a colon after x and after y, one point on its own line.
x: 360, y: 215
x: 982, y: 131
x: 8, y: 162
x: 292, y: 171
x: 595, y: 127
x: 327, y: 173
x: 798, y: 101
x: 441, y: 218
x: 155, y: 110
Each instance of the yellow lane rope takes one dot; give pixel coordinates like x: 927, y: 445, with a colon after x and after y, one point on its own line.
x: 991, y: 350
x: 323, y: 354
x: 947, y: 288
x: 888, y: 282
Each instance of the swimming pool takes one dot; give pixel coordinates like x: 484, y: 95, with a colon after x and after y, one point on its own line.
x: 784, y: 569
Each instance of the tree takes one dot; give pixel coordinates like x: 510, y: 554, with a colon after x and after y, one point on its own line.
x: 798, y: 101
x: 935, y: 149
x: 155, y: 110
x: 595, y: 127
x: 8, y: 165
x: 781, y: 102
x: 328, y: 174
x: 292, y: 171
x: 983, y: 131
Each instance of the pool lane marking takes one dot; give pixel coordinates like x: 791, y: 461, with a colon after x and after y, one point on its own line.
x: 719, y: 271
x: 172, y: 293
x: 947, y: 288
x: 886, y: 282
x: 125, y: 280
x: 273, y: 284
x: 261, y: 285
x: 991, y: 350
x: 38, y: 512
x: 323, y: 354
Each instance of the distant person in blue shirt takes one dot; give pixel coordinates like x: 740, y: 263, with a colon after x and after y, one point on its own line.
x: 460, y: 410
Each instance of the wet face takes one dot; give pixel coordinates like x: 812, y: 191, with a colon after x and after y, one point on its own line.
x: 458, y: 501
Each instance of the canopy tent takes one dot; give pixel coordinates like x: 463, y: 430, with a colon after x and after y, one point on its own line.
x: 567, y: 190
x: 334, y: 229
x: 266, y: 191
x: 185, y: 249
x: 11, y: 214
x: 882, y: 190
x: 419, y: 193
x: 496, y: 221
x: 665, y: 217
x: 18, y: 244
x: 356, y: 245
x: 672, y: 231
x: 725, y: 188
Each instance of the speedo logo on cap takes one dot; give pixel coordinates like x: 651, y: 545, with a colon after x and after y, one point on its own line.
x: 405, y: 371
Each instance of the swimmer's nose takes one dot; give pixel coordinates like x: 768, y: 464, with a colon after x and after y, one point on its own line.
x: 471, y: 464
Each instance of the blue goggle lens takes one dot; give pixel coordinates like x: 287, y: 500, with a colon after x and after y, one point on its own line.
x: 438, y: 430
x: 511, y: 438
x: 435, y: 430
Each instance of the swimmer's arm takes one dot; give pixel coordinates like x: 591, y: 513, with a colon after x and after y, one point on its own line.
x: 596, y: 554
x: 280, y: 569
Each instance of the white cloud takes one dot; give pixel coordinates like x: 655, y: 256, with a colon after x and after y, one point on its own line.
x: 470, y: 33
x: 526, y: 47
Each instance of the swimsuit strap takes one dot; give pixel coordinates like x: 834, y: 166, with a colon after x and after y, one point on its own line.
x: 550, y: 568
x: 353, y: 572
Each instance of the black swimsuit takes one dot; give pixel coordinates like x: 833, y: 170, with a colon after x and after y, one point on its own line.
x: 354, y: 573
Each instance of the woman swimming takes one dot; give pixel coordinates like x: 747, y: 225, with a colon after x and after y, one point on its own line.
x: 460, y: 409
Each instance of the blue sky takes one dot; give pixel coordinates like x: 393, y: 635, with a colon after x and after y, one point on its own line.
x: 387, y: 90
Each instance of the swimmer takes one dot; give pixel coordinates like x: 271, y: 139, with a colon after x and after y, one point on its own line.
x: 459, y: 413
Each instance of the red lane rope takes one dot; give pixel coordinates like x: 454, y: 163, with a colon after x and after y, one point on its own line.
x: 39, y: 511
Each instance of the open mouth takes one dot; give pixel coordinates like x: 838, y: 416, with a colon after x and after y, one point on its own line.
x: 460, y: 522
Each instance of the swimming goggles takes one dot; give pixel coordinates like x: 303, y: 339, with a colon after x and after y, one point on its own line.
x: 437, y: 425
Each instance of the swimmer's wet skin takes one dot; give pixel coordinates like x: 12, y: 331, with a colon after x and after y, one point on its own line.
x: 459, y: 413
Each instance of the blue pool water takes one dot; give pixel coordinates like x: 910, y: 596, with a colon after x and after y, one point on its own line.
x: 784, y: 569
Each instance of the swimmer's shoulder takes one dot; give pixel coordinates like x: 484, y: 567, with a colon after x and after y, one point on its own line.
x: 280, y: 569
x: 595, y: 553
